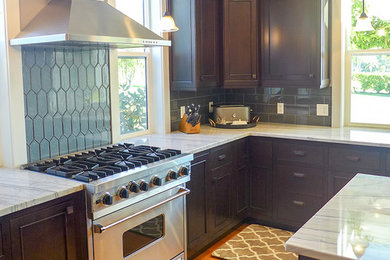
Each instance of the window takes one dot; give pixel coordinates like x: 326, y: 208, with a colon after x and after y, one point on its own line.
x: 368, y: 66
x: 133, y: 92
x: 132, y: 99
x: 135, y: 9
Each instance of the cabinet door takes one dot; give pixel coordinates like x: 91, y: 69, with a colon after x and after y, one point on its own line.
x: 290, y: 43
x: 261, y: 191
x: 240, y: 43
x: 196, y: 204
x: 241, y: 188
x: 208, y: 42
x: 219, y: 200
x: 4, y: 239
x: 195, y: 51
x: 49, y: 233
x: 182, y: 52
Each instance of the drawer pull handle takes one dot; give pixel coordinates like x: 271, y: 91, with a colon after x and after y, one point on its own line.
x: 222, y: 157
x: 299, y: 153
x: 353, y: 158
x: 69, y: 210
x: 299, y: 175
x: 299, y: 203
x: 216, y: 179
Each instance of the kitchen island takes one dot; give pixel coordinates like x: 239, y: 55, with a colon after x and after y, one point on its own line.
x: 354, y: 224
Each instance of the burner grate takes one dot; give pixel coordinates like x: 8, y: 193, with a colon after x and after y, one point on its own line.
x: 103, y: 162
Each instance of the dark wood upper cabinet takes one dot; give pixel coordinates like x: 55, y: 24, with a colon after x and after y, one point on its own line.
x: 291, y: 43
x: 195, y: 51
x: 240, y: 44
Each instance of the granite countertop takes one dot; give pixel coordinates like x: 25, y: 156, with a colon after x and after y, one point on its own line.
x: 34, y: 188
x: 210, y: 137
x: 20, y: 189
x: 355, y: 224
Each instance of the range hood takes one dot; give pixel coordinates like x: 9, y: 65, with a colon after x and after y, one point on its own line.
x: 85, y: 23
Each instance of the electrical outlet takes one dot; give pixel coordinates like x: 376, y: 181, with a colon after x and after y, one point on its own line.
x: 280, y: 108
x: 322, y: 109
x: 182, y: 111
x: 211, y: 108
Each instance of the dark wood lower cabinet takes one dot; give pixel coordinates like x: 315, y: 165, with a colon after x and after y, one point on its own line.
x: 196, y: 205
x: 219, y: 195
x: 337, y: 180
x: 219, y: 189
x: 261, y: 192
x: 53, y: 230
x: 241, y: 190
x: 271, y: 181
x: 4, y: 241
x: 2, y: 255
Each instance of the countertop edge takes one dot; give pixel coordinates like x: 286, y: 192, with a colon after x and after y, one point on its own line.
x: 37, y: 201
x: 312, y: 253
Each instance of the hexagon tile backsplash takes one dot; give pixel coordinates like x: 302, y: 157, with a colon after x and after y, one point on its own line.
x: 67, y: 100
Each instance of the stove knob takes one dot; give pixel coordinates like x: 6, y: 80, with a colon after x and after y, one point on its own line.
x: 143, y: 185
x: 123, y: 193
x: 133, y: 187
x: 107, y: 199
x: 183, y: 171
x: 156, y: 181
x: 172, y: 175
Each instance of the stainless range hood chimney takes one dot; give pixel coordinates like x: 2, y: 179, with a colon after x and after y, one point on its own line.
x: 86, y: 23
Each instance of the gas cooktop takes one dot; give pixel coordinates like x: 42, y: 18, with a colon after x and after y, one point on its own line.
x: 101, y: 163
x: 120, y: 175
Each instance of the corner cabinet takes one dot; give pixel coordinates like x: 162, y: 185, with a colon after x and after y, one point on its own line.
x: 240, y: 44
x: 195, y: 51
x: 53, y: 230
x: 290, y: 43
x: 219, y: 197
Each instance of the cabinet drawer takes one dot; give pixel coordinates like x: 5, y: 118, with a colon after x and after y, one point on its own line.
x: 347, y: 158
x: 297, y: 208
x: 260, y: 151
x: 220, y: 155
x: 301, y: 180
x: 299, y: 152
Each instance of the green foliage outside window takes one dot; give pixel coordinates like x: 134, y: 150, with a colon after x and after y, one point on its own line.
x: 370, y: 39
x: 370, y: 75
x: 132, y: 98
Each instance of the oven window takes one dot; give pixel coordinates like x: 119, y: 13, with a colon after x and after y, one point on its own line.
x: 143, y: 235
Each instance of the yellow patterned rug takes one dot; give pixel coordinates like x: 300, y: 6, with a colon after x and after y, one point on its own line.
x: 256, y: 242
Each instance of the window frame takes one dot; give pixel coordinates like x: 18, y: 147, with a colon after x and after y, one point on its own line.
x: 115, y: 100
x: 114, y: 70
x: 349, y: 53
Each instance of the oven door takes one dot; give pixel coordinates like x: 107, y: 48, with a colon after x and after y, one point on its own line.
x: 151, y: 229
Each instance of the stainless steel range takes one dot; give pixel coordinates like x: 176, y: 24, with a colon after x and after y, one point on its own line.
x: 136, y: 199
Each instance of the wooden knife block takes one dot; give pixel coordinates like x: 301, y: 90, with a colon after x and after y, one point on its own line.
x: 187, y: 127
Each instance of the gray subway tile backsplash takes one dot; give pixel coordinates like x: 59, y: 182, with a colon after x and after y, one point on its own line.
x: 66, y: 92
x: 300, y: 103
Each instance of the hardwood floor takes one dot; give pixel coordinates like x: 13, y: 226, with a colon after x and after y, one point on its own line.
x: 206, y: 255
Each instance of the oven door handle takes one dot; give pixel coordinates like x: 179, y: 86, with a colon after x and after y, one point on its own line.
x: 98, y: 228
